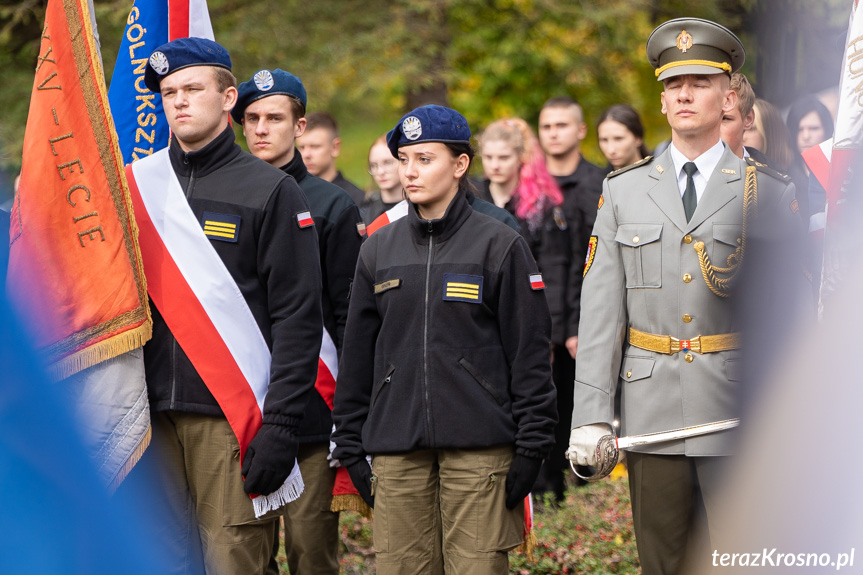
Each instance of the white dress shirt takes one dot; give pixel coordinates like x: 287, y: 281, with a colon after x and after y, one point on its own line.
x: 705, y: 163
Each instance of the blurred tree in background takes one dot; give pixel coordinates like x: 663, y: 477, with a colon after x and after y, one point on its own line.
x: 369, y: 61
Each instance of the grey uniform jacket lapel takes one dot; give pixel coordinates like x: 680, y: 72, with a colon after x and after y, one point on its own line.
x: 666, y: 193
x: 718, y: 192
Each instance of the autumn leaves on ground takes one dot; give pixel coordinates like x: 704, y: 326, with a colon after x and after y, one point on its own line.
x: 590, y: 532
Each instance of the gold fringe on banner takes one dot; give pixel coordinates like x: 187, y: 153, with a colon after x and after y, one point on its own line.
x: 99, y: 352
x: 351, y: 502
x: 133, y: 460
x: 528, y: 546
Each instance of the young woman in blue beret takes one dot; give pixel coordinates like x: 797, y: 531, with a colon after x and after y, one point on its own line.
x: 445, y: 378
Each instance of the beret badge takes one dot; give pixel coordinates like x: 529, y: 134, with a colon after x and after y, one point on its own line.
x: 412, y: 128
x: 264, y: 80
x: 159, y: 63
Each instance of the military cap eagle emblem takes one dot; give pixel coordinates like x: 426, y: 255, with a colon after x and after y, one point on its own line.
x: 412, y: 127
x: 264, y: 80
x: 684, y: 41
x: 159, y: 63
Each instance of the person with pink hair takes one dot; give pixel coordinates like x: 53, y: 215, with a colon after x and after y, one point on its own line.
x: 518, y: 181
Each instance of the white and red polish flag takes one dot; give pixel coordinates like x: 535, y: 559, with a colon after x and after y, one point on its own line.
x: 845, y: 156
x: 204, y: 308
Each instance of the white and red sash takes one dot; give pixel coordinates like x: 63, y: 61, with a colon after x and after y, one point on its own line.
x: 203, y: 307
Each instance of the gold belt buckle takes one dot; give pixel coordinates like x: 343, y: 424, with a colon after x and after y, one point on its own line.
x: 678, y: 345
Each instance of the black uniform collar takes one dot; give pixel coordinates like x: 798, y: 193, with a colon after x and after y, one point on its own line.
x: 296, y: 167
x: 573, y: 178
x: 442, y: 229
x: 208, y: 158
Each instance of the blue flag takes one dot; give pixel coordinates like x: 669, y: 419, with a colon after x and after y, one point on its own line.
x: 141, y: 124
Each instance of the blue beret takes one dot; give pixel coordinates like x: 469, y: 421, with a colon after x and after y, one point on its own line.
x: 183, y: 53
x: 428, y: 124
x: 267, y: 83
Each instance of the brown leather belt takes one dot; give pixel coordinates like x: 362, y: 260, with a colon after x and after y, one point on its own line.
x: 671, y: 345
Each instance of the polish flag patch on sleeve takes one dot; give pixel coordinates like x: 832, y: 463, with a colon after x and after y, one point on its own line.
x: 304, y: 219
x: 536, y: 282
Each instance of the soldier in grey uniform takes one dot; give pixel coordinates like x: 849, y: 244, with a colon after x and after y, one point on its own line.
x: 670, y: 238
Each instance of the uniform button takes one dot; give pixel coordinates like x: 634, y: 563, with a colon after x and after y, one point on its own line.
x: 687, y: 318
x: 628, y: 374
x: 687, y: 278
x: 689, y: 358
x: 635, y: 240
x: 687, y: 239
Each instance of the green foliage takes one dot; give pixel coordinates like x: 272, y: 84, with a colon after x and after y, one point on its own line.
x: 366, y: 61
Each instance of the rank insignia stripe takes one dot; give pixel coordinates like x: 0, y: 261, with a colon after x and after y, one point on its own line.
x: 221, y: 227
x: 591, y: 254
x: 795, y: 207
x: 601, y: 201
x: 462, y: 287
x: 304, y: 219
x: 387, y: 285
x: 536, y: 282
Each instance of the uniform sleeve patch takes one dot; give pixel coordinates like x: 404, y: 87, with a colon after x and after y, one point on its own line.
x: 601, y: 201
x: 387, y: 285
x: 304, y: 219
x: 591, y: 254
x: 536, y: 282
x: 795, y: 207
x: 361, y: 229
x: 462, y: 287
x: 222, y: 227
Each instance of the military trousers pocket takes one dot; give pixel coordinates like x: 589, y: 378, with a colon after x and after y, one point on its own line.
x: 473, y: 500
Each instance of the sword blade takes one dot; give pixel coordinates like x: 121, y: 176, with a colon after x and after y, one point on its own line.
x: 672, y: 434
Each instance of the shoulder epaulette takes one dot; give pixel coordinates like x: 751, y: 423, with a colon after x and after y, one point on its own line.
x: 646, y: 160
x: 768, y: 170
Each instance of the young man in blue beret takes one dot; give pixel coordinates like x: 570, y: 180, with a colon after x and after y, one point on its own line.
x: 271, y: 108
x: 254, y: 239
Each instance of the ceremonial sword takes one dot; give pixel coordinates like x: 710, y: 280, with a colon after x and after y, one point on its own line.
x: 608, y: 447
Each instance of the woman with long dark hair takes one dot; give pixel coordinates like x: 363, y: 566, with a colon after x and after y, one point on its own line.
x: 621, y: 136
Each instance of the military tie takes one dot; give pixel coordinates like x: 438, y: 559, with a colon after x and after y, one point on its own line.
x: 690, y: 199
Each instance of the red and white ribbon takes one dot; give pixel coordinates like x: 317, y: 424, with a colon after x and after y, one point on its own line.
x: 203, y: 307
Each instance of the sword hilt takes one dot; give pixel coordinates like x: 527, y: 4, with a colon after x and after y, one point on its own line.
x: 607, y: 455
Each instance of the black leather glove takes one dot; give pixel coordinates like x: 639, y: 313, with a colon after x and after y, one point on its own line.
x: 269, y: 459
x: 361, y: 477
x: 520, y: 479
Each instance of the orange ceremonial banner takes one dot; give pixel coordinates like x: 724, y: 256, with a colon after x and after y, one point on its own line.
x: 75, y: 273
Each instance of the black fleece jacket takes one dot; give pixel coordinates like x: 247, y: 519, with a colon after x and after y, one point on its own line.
x: 581, y: 191
x: 430, y: 362
x: 275, y: 264
x: 339, y: 239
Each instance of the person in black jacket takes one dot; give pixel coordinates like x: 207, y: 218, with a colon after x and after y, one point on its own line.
x: 518, y: 181
x: 445, y: 376
x: 252, y: 216
x: 270, y: 107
